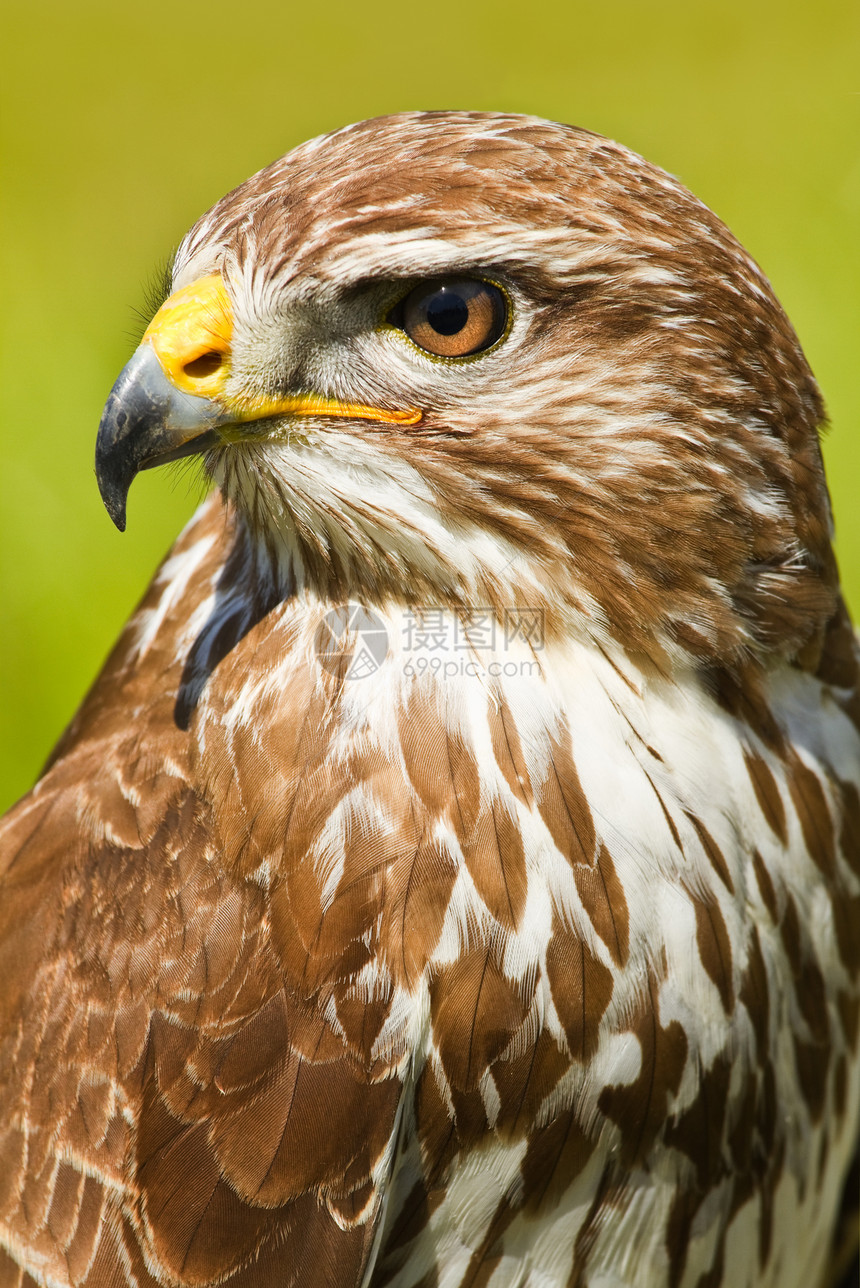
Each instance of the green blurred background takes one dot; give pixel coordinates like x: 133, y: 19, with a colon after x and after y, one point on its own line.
x: 121, y: 123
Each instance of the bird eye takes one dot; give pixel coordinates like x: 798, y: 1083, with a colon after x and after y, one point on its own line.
x: 452, y: 318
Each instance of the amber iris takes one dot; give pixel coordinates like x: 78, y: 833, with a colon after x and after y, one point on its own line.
x: 452, y: 318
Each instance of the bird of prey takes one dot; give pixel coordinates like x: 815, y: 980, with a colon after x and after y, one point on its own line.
x: 453, y: 877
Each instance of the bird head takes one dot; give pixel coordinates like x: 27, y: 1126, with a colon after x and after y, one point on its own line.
x: 478, y: 359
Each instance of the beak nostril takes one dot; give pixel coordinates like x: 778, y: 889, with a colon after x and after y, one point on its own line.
x: 206, y: 365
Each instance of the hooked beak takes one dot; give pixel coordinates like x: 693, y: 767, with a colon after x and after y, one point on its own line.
x: 146, y: 422
x: 171, y: 399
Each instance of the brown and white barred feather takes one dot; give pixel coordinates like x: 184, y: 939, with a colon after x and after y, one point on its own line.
x: 543, y: 972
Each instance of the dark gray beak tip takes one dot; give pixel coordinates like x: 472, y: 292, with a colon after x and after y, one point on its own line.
x: 115, y: 463
x: 114, y: 503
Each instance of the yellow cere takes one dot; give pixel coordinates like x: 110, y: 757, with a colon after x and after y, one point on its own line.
x: 191, y: 334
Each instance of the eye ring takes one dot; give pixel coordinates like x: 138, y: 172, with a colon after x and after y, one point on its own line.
x: 453, y: 318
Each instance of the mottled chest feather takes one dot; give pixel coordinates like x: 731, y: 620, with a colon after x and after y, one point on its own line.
x: 579, y: 928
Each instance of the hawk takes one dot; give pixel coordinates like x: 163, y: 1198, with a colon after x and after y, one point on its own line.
x: 453, y: 877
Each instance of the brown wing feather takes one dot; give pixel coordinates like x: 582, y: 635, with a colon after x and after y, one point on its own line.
x: 174, y: 1108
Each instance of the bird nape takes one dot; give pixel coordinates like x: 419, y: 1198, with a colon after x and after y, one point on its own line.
x: 453, y: 877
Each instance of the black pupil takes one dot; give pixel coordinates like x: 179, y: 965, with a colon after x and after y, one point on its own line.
x: 447, y: 313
